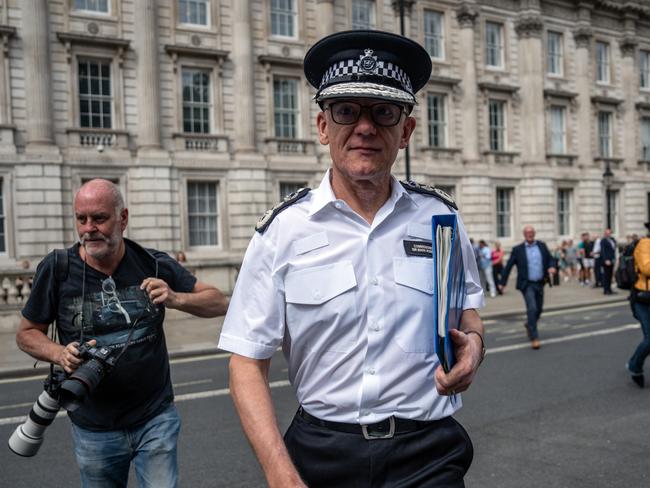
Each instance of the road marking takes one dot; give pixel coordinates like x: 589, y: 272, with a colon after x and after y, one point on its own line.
x: 190, y: 383
x: 177, y: 398
x: 572, y: 337
x: 204, y: 357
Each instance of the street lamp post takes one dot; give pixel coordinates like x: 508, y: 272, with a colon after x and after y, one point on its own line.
x: 608, y: 178
x: 407, y: 155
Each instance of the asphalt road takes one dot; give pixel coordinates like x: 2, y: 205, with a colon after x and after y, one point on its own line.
x: 564, y: 416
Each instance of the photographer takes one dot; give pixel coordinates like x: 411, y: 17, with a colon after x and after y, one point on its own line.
x: 111, y: 292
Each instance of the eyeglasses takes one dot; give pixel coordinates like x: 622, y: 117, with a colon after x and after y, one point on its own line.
x: 383, y: 114
x: 112, y: 302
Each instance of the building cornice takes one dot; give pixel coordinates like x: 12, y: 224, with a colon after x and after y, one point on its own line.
x: 497, y: 87
x: 111, y: 42
x: 195, y: 52
x: 444, y: 80
x: 560, y: 94
x: 606, y: 100
x: 269, y: 59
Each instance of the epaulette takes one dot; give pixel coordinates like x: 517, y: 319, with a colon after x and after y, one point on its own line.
x: 269, y: 215
x: 430, y: 190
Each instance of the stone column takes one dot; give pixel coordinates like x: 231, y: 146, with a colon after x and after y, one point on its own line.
x: 242, y: 57
x: 529, y: 29
x: 148, y: 89
x: 325, y: 16
x: 466, y: 16
x: 630, y: 79
x: 38, y: 78
x: 582, y: 37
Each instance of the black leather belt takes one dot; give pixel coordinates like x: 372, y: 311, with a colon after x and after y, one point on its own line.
x: 385, y: 429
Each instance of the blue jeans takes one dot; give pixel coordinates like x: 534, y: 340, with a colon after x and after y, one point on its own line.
x: 534, y: 297
x: 642, y: 313
x: 104, y: 458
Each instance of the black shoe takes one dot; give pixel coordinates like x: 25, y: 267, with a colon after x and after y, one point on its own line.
x: 638, y: 378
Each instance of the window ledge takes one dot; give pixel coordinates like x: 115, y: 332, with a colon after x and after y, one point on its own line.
x: 500, y: 157
x: 645, y: 162
x: 561, y: 159
x: 69, y: 38
x: 197, y: 52
x: 277, y: 145
x: 214, y: 143
x: 614, y: 163
x: 268, y: 59
x: 99, y: 139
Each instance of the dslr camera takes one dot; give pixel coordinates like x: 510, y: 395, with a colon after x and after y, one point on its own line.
x: 62, y: 390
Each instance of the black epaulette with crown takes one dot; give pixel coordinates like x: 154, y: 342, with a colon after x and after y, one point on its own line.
x: 430, y: 190
x: 269, y: 215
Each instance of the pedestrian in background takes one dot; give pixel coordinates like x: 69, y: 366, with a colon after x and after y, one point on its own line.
x: 485, y: 265
x: 585, y: 252
x: 340, y: 277
x: 608, y: 259
x: 535, y: 266
x: 640, y: 302
x: 497, y: 264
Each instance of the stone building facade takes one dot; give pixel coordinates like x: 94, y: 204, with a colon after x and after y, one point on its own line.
x: 199, y: 111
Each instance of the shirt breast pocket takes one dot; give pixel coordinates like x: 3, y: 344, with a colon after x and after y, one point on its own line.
x: 321, y: 311
x: 414, y: 293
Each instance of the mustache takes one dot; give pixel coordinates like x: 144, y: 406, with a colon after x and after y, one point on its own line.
x: 92, y: 237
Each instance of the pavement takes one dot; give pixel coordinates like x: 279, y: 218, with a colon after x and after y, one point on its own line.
x: 188, y: 336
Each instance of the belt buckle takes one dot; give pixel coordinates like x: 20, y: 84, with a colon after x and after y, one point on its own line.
x: 369, y: 436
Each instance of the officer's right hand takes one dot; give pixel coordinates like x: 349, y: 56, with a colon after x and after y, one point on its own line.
x: 69, y: 358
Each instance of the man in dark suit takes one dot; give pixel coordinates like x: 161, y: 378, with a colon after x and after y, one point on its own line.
x: 608, y: 258
x: 534, y: 265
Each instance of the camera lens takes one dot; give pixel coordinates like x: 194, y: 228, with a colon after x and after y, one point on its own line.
x: 80, y: 383
x: 28, y: 437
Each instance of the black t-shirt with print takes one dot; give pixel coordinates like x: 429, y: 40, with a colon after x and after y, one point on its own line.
x: 139, y: 386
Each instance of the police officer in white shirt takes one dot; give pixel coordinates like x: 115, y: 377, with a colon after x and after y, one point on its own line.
x: 341, y: 278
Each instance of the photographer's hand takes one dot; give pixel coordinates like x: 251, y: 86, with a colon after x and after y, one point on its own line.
x: 69, y: 358
x: 159, y: 292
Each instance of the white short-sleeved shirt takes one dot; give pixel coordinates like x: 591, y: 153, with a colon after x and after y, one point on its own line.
x: 351, y: 310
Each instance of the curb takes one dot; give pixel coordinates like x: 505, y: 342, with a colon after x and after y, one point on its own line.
x: 550, y: 308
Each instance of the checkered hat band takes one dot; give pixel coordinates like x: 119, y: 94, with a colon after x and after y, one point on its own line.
x: 368, y: 90
x: 351, y: 67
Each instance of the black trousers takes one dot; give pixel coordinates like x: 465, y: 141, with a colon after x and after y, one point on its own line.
x: 437, y: 456
x: 608, y: 271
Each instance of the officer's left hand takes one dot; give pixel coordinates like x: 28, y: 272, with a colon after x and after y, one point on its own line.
x: 468, y: 358
x: 159, y: 292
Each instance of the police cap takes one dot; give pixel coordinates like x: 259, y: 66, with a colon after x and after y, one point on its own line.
x: 367, y: 64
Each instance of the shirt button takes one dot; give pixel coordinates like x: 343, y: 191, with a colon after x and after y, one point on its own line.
x: 316, y: 295
x: 375, y: 281
x: 337, y: 204
x: 371, y: 371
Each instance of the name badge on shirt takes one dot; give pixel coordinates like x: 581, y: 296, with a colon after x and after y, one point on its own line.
x: 418, y: 248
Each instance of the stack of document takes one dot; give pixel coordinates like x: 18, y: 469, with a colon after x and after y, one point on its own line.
x: 448, y: 285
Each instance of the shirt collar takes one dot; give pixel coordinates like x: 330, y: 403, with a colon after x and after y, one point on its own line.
x: 325, y: 195
x: 532, y: 244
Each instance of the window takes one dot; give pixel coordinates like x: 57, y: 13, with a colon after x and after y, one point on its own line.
x: 504, y: 212
x: 558, y: 129
x: 196, y: 101
x: 644, y: 69
x: 283, y: 18
x: 554, y: 53
x: 497, y: 125
x: 605, y: 134
x: 645, y: 138
x: 363, y: 14
x: 493, y: 44
x: 95, y: 97
x: 194, y: 12
x: 434, y: 34
x: 92, y: 5
x: 436, y: 111
x: 602, y: 62
x: 3, y: 245
x: 289, y: 187
x: 202, y: 213
x: 564, y: 197
x: 285, y: 107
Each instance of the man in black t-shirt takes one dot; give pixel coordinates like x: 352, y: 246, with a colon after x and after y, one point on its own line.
x: 114, y: 295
